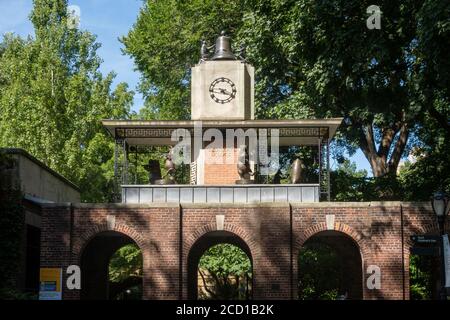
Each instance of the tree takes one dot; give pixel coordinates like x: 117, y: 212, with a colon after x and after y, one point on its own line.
x: 319, y: 272
x: 125, y: 272
x: 432, y: 66
x: 53, y: 97
x: 165, y: 43
x: 429, y: 172
x: 349, y: 184
x: 222, y: 269
x: 312, y: 59
x: 337, y: 67
x: 12, y: 221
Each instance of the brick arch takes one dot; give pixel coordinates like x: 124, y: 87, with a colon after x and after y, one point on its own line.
x: 94, y: 282
x: 423, y: 228
x: 191, y: 254
x: 81, y: 242
x: 207, y: 228
x: 338, y: 227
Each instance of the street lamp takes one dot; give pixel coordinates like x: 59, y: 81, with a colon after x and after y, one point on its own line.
x: 441, y: 205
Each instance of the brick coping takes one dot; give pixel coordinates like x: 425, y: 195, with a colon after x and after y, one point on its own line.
x: 424, y: 205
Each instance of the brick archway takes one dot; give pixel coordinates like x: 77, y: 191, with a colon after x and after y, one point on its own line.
x: 93, y: 252
x: 205, y: 237
x: 203, y: 230
x: 423, y: 229
x: 86, y: 236
x: 274, y: 233
x: 338, y: 227
x: 356, y: 251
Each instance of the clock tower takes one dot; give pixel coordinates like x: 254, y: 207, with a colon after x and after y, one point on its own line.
x: 222, y: 85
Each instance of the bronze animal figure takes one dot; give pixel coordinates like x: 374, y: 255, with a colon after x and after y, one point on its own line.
x: 243, y: 165
x: 297, y: 171
x: 154, y: 171
x: 170, y: 167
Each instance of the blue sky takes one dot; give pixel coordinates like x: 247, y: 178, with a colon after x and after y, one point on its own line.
x: 109, y: 20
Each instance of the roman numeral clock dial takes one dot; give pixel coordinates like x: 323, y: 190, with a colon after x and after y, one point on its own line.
x: 222, y: 90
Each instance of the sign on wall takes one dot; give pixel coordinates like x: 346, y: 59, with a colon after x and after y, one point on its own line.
x: 50, y: 284
x: 447, y: 260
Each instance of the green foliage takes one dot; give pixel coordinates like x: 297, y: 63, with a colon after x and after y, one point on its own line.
x: 226, y: 259
x: 430, y: 170
x: 125, y: 262
x: 125, y: 273
x: 432, y: 89
x: 164, y: 44
x: 13, y: 294
x: 319, y: 273
x: 349, y: 184
x: 12, y: 221
x: 132, y: 293
x: 312, y: 59
x: 432, y: 82
x: 427, y: 175
x: 226, y: 266
x: 421, y: 280
x: 52, y: 98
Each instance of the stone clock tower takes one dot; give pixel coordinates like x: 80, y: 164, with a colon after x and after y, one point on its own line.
x: 223, y: 85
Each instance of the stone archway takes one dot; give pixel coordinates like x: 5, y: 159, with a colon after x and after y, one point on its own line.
x: 200, y: 246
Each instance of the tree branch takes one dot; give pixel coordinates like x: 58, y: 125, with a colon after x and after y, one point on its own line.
x: 440, y: 118
x: 388, y: 135
x: 399, y: 148
x: 367, y: 144
x: 205, y: 285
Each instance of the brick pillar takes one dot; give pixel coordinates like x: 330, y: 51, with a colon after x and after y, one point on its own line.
x: 162, y: 264
x: 272, y: 263
x: 56, y: 243
x: 385, y: 251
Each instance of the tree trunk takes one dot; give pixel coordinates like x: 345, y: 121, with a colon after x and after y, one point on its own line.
x: 383, y: 161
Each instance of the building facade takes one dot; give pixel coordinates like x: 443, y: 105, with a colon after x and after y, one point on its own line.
x: 38, y: 185
x: 172, y: 238
x: 229, y: 201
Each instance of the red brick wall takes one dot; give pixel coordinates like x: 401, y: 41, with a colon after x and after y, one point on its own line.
x: 266, y: 230
x: 220, y: 172
x: 274, y: 234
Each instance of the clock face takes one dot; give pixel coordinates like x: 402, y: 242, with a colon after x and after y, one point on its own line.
x: 222, y: 90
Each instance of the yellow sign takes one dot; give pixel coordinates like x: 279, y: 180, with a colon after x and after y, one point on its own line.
x: 50, y: 284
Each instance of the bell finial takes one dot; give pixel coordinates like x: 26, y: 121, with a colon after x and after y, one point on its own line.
x: 223, y: 48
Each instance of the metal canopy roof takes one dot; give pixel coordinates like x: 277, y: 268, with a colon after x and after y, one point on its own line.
x: 158, y: 133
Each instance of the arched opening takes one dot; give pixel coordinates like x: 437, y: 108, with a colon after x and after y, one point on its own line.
x: 220, y: 267
x: 424, y: 273
x: 111, y: 268
x: 330, y: 268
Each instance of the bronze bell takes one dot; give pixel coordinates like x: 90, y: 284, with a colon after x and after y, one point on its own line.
x: 223, y: 48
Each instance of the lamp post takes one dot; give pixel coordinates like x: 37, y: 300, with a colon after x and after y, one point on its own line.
x: 441, y: 206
